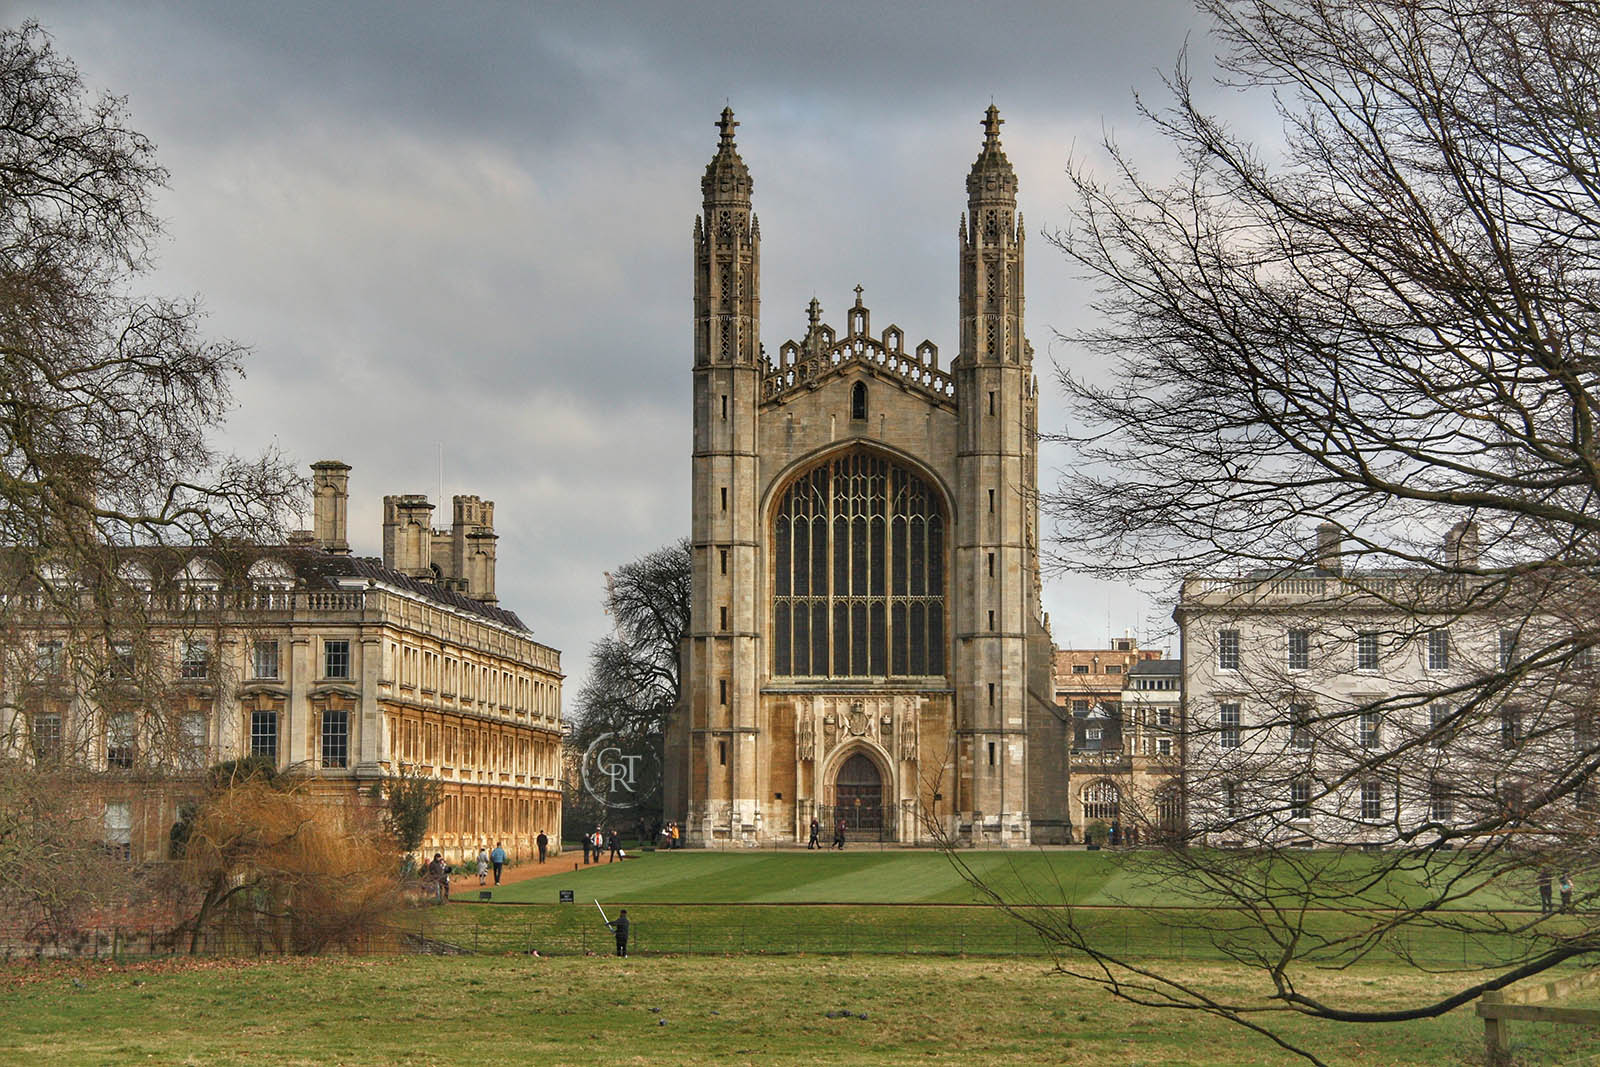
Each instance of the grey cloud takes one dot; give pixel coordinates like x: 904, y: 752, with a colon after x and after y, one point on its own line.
x: 469, y: 225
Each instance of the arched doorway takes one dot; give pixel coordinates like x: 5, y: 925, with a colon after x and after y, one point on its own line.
x: 858, y: 793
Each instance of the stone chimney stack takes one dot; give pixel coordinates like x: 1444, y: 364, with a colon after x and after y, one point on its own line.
x: 1461, y: 546
x: 330, y: 482
x: 472, y: 547
x: 1330, y: 548
x: 408, y: 535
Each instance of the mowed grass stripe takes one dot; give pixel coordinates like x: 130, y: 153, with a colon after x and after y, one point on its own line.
x: 902, y: 877
x: 915, y: 876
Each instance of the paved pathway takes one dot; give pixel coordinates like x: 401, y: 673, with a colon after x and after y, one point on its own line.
x: 464, y: 887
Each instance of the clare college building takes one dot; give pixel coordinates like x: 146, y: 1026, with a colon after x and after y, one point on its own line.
x: 865, y: 640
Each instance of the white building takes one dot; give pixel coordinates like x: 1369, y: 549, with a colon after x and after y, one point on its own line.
x: 1381, y: 708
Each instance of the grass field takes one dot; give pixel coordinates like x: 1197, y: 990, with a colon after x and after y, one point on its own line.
x: 743, y: 956
x: 600, y: 1010
x: 887, y: 877
x: 887, y: 903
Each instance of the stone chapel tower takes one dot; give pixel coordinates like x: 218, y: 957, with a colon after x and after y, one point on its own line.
x: 995, y: 560
x: 865, y: 642
x: 719, y: 678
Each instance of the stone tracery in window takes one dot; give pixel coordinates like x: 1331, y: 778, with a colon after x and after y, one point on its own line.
x: 858, y: 562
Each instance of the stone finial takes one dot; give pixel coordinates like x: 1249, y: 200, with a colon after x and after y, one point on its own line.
x: 814, y: 313
x: 727, y: 179
x: 991, y: 177
x: 859, y: 291
x: 991, y: 126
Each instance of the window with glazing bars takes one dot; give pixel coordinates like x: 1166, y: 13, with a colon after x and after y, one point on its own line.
x: 1438, y: 650
x: 336, y: 658
x: 858, y: 573
x: 264, y: 734
x: 1229, y: 720
x: 1371, y: 801
x: 119, y: 739
x: 1228, y: 650
x: 1299, y: 650
x: 335, y: 738
x: 1300, y: 799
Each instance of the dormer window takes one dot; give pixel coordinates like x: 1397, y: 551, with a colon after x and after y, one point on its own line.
x: 858, y: 401
x: 271, y: 584
x: 199, y: 584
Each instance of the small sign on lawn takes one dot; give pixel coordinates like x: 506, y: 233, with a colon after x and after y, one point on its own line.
x: 566, y: 896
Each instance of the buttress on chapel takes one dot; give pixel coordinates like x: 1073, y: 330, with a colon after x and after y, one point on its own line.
x: 865, y: 640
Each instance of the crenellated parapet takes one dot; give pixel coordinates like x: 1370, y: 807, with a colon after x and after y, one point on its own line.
x: 821, y: 354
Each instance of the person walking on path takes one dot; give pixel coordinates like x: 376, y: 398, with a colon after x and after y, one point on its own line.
x: 614, y: 843
x: 543, y: 841
x: 483, y: 866
x: 619, y: 926
x: 498, y: 858
x: 586, y: 847
x: 597, y: 843
x: 838, y: 835
x: 1566, y: 892
x: 1544, y: 892
x: 816, y: 834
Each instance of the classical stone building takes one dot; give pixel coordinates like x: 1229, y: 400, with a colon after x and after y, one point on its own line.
x: 866, y: 640
x: 340, y: 669
x: 1332, y: 703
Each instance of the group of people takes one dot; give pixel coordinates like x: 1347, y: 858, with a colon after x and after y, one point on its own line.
x: 670, y: 836
x: 815, y: 840
x: 1546, y: 905
x: 435, y: 873
x: 495, y: 859
x: 598, y: 842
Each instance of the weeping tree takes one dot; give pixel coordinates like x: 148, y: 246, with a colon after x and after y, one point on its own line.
x: 263, y: 856
x: 1380, y: 326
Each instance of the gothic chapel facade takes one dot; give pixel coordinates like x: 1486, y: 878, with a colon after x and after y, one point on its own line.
x: 865, y: 639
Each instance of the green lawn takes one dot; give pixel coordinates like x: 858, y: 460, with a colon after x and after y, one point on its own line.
x: 692, y: 1011
x: 898, y: 876
x: 850, y: 877
x: 908, y: 902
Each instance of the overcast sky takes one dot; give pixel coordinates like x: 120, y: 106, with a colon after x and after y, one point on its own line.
x: 465, y: 228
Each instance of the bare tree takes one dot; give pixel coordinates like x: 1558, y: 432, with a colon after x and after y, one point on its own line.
x: 1379, y: 327
x: 107, y: 398
x: 634, y: 682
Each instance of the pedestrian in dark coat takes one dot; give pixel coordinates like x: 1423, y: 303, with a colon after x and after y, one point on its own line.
x: 585, y: 848
x: 1544, y: 892
x: 543, y: 841
x: 838, y: 835
x: 1566, y: 892
x: 614, y: 843
x: 816, y: 835
x: 620, y: 928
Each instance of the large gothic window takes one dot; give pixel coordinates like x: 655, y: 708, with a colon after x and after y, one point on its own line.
x: 858, y: 560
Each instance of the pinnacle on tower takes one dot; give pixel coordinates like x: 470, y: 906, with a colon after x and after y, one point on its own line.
x: 991, y: 175
x: 991, y: 127
x: 726, y: 177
